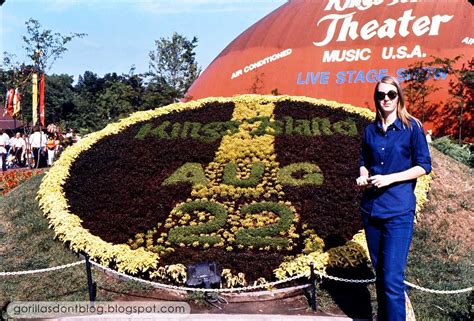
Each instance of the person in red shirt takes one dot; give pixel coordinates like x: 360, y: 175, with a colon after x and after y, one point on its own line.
x: 51, y: 146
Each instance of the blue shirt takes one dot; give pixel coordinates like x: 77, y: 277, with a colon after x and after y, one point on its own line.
x: 396, y: 150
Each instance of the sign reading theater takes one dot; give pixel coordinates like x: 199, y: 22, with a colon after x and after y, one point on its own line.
x: 338, y: 49
x: 342, y: 27
x: 403, y: 26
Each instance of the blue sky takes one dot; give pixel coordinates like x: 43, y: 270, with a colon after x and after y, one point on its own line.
x: 122, y: 32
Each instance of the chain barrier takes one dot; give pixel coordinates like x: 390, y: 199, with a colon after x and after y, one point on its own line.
x: 180, y: 288
x: 439, y: 291
x: 42, y: 270
x: 243, y: 289
x: 335, y: 278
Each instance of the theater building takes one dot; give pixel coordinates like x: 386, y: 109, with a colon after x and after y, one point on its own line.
x: 338, y: 49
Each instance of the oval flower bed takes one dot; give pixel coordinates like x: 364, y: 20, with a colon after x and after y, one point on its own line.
x: 262, y: 185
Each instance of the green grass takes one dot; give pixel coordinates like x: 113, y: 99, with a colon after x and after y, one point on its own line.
x: 27, y: 244
x: 436, y: 263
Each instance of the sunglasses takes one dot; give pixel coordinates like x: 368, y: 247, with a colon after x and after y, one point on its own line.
x: 380, y: 95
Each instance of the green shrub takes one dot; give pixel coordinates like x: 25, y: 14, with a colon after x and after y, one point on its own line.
x: 311, y: 174
x: 265, y: 236
x: 190, y: 234
x: 459, y: 152
x: 188, y: 173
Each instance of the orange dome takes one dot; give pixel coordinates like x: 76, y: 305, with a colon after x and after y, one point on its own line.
x: 337, y: 49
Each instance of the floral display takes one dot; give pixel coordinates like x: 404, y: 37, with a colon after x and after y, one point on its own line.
x: 12, y: 178
x: 267, y: 179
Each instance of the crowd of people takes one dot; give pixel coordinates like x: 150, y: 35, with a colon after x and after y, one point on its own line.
x: 37, y: 149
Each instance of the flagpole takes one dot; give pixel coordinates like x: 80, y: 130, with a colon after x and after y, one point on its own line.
x: 38, y: 69
x: 5, y: 105
x: 41, y: 113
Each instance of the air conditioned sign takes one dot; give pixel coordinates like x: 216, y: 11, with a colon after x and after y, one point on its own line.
x: 338, y: 50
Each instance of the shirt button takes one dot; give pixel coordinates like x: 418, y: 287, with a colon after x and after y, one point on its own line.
x: 381, y: 163
x: 383, y: 148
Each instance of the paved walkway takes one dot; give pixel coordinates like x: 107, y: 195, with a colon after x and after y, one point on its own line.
x: 212, y: 317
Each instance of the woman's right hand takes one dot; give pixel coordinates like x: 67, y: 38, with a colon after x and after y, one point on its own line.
x: 363, y: 180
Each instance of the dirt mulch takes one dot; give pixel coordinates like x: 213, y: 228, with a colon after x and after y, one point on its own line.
x: 450, y: 208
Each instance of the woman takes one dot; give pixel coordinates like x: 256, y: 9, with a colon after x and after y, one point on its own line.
x: 394, y: 154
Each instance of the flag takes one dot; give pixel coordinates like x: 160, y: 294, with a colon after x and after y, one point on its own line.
x: 5, y: 106
x: 16, y: 102
x: 9, y: 105
x: 42, y: 100
x: 34, y: 94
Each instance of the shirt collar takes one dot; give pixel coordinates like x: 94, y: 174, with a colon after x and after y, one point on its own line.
x: 396, y: 124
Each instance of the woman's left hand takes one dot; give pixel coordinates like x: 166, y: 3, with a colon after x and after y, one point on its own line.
x: 380, y: 181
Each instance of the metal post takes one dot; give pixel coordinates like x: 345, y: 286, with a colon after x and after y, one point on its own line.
x: 92, y: 286
x: 313, y: 287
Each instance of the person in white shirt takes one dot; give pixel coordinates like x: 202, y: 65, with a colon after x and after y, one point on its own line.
x: 429, y: 135
x: 70, y: 134
x: 18, y: 148
x: 38, y: 142
x: 6, y: 139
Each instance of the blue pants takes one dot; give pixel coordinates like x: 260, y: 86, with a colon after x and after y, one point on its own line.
x: 389, y: 240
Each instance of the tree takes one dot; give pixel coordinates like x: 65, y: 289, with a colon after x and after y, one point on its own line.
x: 462, y: 96
x: 257, y: 84
x: 115, y: 102
x: 19, y: 73
x: 90, y: 83
x: 157, y: 94
x: 454, y: 115
x: 136, y: 82
x: 173, y: 64
x: 88, y: 88
x: 99, y: 101
x: 43, y: 48
x: 417, y: 88
x: 59, y: 97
